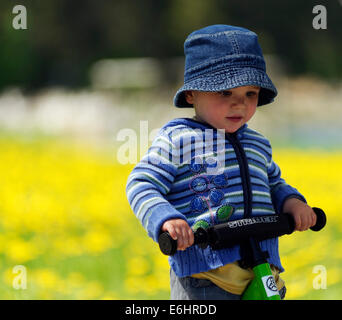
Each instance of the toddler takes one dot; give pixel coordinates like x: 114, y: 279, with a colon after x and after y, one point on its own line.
x: 213, y: 168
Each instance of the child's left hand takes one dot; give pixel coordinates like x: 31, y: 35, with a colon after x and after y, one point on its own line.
x: 303, y: 214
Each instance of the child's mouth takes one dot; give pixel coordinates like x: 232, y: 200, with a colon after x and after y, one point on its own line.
x: 234, y: 119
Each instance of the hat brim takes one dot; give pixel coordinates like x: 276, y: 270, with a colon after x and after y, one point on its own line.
x: 228, y: 79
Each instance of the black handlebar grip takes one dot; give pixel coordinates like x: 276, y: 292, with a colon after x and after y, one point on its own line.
x: 167, y: 245
x: 321, y: 219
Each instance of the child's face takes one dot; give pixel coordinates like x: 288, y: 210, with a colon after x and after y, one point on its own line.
x: 229, y: 109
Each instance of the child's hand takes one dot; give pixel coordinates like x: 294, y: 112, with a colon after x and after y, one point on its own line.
x: 179, y: 230
x: 303, y: 214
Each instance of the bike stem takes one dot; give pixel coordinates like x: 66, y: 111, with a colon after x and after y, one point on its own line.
x: 263, y: 286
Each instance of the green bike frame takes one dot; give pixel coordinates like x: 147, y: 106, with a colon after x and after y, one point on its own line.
x: 263, y: 286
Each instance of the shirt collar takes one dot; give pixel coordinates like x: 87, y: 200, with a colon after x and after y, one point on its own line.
x: 198, y: 124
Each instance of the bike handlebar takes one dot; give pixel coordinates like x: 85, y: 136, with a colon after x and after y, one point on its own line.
x: 231, y: 233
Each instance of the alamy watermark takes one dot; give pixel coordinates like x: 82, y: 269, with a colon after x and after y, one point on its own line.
x: 320, y: 21
x: 20, y: 280
x: 19, y: 21
x: 203, y: 149
x: 320, y: 281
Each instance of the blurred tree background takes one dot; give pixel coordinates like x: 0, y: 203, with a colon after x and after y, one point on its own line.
x: 64, y: 38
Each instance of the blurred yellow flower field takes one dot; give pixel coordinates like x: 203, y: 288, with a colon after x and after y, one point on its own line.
x: 306, y: 256
x: 65, y: 219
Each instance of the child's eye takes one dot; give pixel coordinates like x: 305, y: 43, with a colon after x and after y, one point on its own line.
x: 225, y: 93
x: 251, y: 93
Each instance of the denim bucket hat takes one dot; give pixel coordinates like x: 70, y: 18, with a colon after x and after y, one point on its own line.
x: 222, y: 57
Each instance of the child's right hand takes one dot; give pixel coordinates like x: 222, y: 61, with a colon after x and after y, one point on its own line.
x: 179, y: 230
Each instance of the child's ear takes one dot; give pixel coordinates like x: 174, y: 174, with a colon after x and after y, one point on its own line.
x: 189, y: 96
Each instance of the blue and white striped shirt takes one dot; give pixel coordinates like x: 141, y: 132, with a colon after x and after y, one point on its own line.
x: 195, y: 172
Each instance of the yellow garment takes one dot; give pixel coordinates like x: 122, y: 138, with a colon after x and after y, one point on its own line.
x: 233, y: 278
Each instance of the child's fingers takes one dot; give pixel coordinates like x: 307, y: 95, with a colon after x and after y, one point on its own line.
x: 309, y: 220
x: 180, y: 238
x: 298, y: 223
x: 169, y: 227
x: 314, y: 219
x: 173, y: 233
x: 184, y: 237
x: 305, y: 221
x: 191, y: 237
x: 189, y: 234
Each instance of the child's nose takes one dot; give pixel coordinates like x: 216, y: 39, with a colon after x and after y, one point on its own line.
x: 238, y: 100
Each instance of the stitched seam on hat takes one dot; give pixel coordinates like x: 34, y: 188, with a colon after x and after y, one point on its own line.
x: 197, y: 36
x: 218, y: 70
x: 234, y: 43
x: 262, y: 75
x: 206, y: 71
x: 230, y: 56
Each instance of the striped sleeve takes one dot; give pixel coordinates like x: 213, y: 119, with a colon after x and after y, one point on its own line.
x: 280, y: 190
x: 150, y: 181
